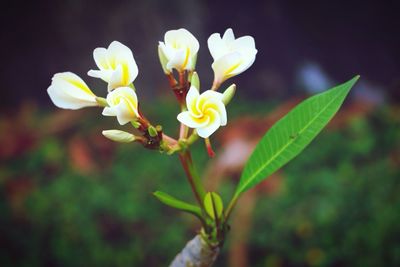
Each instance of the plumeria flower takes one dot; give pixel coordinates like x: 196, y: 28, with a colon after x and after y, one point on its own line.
x: 69, y: 91
x: 205, y: 112
x: 116, y: 65
x: 178, y: 51
x: 123, y: 104
x: 231, y: 56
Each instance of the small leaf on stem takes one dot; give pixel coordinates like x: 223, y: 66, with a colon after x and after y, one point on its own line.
x: 213, y: 205
x: 177, y: 204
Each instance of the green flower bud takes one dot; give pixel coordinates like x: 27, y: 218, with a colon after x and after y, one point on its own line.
x: 195, y: 81
x: 152, y: 131
x: 228, y: 94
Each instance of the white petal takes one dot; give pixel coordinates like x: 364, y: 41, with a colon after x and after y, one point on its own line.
x: 212, y: 94
x: 178, y: 59
x: 228, y: 36
x: 216, y: 46
x: 192, y: 42
x: 186, y: 118
x: 244, y: 65
x: 223, y: 115
x: 163, y: 58
x: 108, y: 61
x: 124, y: 114
x: 116, y: 50
x: 219, y: 107
x: 244, y: 44
x: 63, y: 100
x: 181, y: 49
x: 224, y: 66
x: 191, y: 97
x: 182, y: 38
x: 123, y: 104
x: 167, y: 50
x: 69, y: 91
x: 109, y: 111
x: 100, y: 57
x: 105, y: 75
x: 70, y: 77
x: 74, y: 91
x: 246, y: 47
x: 122, y: 92
x: 208, y: 130
x: 123, y: 56
x: 116, y: 79
x: 119, y: 136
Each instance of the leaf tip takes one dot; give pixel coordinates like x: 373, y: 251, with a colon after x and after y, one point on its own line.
x: 357, y: 77
x: 156, y: 193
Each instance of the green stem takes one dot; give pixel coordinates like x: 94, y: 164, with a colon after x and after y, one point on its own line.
x: 194, y: 179
x: 231, y: 205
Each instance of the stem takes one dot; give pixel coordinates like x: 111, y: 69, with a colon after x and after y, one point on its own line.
x: 171, y: 80
x: 194, y: 179
x: 231, y: 205
x: 215, y: 85
x: 196, y: 253
x: 169, y: 139
x: 183, y: 131
x: 192, y: 138
x: 210, y: 151
x: 182, y: 75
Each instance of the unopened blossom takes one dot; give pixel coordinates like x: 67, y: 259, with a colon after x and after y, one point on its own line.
x: 231, y: 56
x: 116, y: 65
x: 69, y: 91
x: 178, y: 51
x: 205, y: 112
x: 119, y: 136
x: 122, y: 103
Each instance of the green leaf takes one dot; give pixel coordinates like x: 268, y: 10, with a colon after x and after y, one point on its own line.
x: 291, y: 134
x: 177, y: 204
x: 213, y: 205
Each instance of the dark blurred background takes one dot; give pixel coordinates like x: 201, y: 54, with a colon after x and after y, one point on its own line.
x: 69, y: 197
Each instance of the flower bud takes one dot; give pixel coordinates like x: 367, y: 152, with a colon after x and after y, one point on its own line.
x: 195, y: 81
x: 228, y: 94
x: 152, y: 131
x: 69, y: 91
x: 119, y: 136
x: 213, y: 205
x: 180, y: 49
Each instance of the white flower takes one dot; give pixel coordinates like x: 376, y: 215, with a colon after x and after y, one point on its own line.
x: 116, y: 65
x: 206, y: 112
x: 69, y: 91
x: 122, y: 103
x: 178, y: 51
x: 119, y: 136
x: 231, y: 56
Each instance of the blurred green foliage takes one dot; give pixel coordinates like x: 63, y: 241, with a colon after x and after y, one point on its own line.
x: 339, y: 202
x: 340, y: 205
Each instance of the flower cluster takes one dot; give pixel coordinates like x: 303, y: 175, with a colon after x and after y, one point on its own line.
x: 203, y: 112
x: 118, y: 68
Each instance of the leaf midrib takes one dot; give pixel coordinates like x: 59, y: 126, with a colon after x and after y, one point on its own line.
x: 285, y: 146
